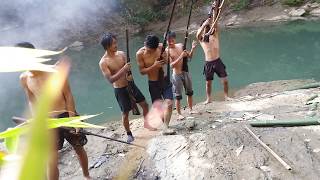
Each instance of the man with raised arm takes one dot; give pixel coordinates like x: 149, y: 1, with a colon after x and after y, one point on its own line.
x: 32, y: 82
x: 114, y: 68
x: 209, y: 42
x: 180, y: 78
x: 151, y: 64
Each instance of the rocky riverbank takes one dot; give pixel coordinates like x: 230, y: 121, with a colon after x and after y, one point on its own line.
x: 214, y: 144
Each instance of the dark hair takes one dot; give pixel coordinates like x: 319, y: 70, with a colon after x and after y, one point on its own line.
x: 107, y: 40
x: 172, y: 34
x: 152, y: 41
x: 25, y: 45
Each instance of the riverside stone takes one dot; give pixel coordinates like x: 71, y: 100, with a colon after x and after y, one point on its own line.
x: 297, y: 12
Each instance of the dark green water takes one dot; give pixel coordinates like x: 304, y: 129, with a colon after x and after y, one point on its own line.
x: 267, y: 53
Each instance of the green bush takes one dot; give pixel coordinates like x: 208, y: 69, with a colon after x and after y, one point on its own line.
x: 292, y: 2
x: 239, y: 5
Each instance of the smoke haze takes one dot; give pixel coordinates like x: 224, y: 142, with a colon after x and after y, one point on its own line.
x: 47, y: 23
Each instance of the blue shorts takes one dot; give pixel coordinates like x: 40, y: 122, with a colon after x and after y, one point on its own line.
x: 160, y: 93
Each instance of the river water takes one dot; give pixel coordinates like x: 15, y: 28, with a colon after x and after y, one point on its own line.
x: 255, y: 54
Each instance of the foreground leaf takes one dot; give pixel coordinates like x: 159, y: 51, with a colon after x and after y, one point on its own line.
x: 25, y: 54
x: 12, y: 143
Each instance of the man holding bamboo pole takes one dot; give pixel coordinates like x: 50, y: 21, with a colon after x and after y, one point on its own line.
x: 64, y: 106
x: 114, y: 68
x: 208, y: 35
x: 151, y: 62
x: 180, y: 77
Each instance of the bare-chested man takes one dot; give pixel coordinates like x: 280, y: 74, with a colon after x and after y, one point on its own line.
x: 32, y: 82
x: 213, y: 62
x: 150, y: 63
x: 114, y: 67
x: 180, y: 77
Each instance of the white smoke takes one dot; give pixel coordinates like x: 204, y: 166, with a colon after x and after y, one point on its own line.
x: 47, y: 23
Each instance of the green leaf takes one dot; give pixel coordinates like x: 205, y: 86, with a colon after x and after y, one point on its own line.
x: 9, y: 53
x: 2, y: 157
x: 10, y: 132
x: 82, y: 125
x: 12, y: 143
x: 11, y: 59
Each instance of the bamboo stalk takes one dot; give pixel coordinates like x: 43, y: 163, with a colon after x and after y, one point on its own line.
x: 269, y: 149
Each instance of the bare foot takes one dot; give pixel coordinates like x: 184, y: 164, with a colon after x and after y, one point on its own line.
x: 88, y: 178
x: 168, y: 131
x: 147, y: 126
x: 226, y: 98
x: 208, y: 101
x: 180, y: 117
x: 194, y: 112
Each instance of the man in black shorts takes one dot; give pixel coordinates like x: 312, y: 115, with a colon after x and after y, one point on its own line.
x: 115, y: 68
x: 151, y: 64
x: 32, y: 82
x: 213, y: 63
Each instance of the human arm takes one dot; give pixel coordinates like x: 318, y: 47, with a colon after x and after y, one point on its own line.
x: 68, y: 97
x: 142, y: 68
x: 183, y: 54
x: 30, y: 96
x: 194, y: 45
x: 107, y: 73
x: 202, y: 28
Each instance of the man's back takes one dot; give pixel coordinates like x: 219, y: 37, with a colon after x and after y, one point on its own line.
x: 33, y: 83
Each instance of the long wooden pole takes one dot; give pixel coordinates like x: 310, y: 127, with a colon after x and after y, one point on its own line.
x: 269, y: 149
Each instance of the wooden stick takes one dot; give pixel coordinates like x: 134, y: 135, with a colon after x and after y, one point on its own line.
x: 269, y: 149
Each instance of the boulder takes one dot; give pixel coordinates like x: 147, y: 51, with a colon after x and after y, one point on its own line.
x: 279, y: 18
x: 77, y: 46
x: 315, y: 12
x: 297, y: 12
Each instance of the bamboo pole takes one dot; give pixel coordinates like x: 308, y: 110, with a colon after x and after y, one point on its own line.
x: 269, y: 149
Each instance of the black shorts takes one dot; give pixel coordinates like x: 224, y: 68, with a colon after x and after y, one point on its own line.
x: 159, y: 93
x: 74, y: 139
x: 124, y: 98
x: 215, y: 66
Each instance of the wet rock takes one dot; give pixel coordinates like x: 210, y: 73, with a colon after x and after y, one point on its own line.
x: 239, y: 150
x: 297, y: 12
x: 265, y: 117
x: 77, y: 46
x: 315, y: 12
x: 210, y: 154
x: 316, y: 150
x: 311, y: 113
x: 265, y: 168
x: 232, y: 21
x: 314, y: 5
x: 190, y: 125
x: 314, y: 107
x: 279, y: 18
x: 197, y: 137
x: 202, y: 151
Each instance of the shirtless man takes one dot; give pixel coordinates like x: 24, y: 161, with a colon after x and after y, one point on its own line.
x: 150, y: 63
x: 114, y: 68
x: 180, y: 78
x: 64, y: 106
x: 213, y: 62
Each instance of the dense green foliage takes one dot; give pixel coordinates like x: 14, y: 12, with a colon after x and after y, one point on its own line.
x: 240, y: 4
x: 292, y: 2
